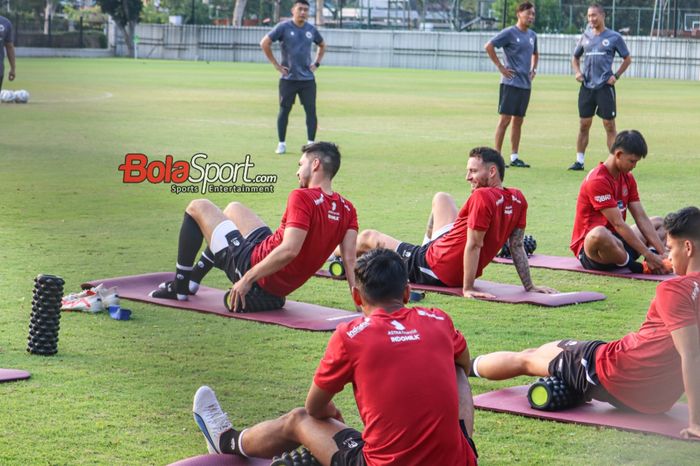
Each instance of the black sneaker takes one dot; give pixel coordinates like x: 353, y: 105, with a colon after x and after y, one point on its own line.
x: 167, y: 291
x: 519, y: 163
x: 577, y: 167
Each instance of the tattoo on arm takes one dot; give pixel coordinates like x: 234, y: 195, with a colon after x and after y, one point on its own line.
x: 517, y: 252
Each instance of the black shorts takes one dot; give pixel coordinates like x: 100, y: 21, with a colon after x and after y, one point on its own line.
x: 289, y: 90
x: 513, y: 100
x: 599, y: 102
x: 350, y: 443
x: 418, y: 269
x: 235, y: 260
x: 576, y: 367
x: 590, y: 264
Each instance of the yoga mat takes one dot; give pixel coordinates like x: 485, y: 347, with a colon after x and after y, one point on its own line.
x: 573, y: 265
x: 513, y: 400
x: 294, y: 314
x: 513, y: 294
x: 221, y: 460
x: 9, y: 375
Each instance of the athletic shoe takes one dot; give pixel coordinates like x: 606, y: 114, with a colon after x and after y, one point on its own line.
x: 576, y: 166
x: 519, y: 163
x: 281, y: 148
x: 167, y: 291
x: 210, y: 418
x: 109, y: 296
x: 87, y: 301
x: 668, y: 267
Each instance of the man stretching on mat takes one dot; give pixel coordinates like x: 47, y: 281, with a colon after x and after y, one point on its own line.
x: 601, y: 239
x: 264, y: 267
x: 459, y: 244
x: 647, y: 370
x: 401, y: 363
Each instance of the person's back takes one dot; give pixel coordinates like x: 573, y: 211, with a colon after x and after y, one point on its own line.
x: 497, y: 211
x: 326, y: 218
x: 401, y: 365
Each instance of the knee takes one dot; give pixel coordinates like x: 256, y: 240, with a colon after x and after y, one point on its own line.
x: 292, y: 419
x: 585, y: 125
x: 597, y: 234
x: 504, y: 121
x: 196, y: 206
x: 518, y: 122
x: 231, y: 208
x: 526, y: 361
x: 441, y: 198
x: 367, y: 239
x: 609, y: 125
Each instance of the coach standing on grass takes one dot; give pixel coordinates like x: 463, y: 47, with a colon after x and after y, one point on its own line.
x: 6, y: 44
x: 597, y: 94
x: 519, y: 44
x: 297, y: 70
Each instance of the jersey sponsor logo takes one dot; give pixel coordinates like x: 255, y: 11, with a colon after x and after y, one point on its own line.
x: 399, y: 336
x: 319, y: 200
x: 508, y: 210
x: 500, y: 200
x: 398, y: 325
x: 606, y: 42
x: 333, y: 214
x: 423, y: 313
x: 352, y: 333
x: 309, y: 35
x: 514, y: 198
x: 603, y: 198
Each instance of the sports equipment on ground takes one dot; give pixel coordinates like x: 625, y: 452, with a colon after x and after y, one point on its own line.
x: 7, y: 96
x: 298, y: 457
x: 552, y: 394
x: 336, y: 268
x: 45, y: 316
x: 9, y: 375
x: 529, y: 243
x: 21, y: 96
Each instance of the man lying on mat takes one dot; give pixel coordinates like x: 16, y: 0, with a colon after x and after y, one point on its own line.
x: 601, y: 239
x: 401, y: 363
x: 647, y: 370
x: 263, y: 266
x: 459, y: 244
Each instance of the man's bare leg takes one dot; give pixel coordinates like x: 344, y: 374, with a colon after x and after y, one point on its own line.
x: 501, y: 127
x: 603, y: 247
x: 515, y: 132
x: 504, y: 365
x: 610, y: 132
x: 443, y: 212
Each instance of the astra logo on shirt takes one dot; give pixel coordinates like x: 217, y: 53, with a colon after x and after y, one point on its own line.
x: 603, y: 198
x: 402, y: 335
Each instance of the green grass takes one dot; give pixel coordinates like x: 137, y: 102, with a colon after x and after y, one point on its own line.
x: 120, y: 392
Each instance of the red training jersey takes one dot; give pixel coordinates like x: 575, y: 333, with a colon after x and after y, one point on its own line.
x: 643, y: 369
x: 600, y: 190
x: 402, y: 369
x: 497, y: 211
x: 326, y: 218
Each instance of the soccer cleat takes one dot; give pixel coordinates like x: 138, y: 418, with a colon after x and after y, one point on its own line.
x: 519, y: 163
x: 281, y: 148
x: 576, y: 166
x: 87, y: 301
x: 167, y: 291
x: 210, y: 418
x: 109, y: 296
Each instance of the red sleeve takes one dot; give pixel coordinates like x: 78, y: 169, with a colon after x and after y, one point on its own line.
x: 335, y: 369
x: 675, y: 304
x: 479, y: 211
x: 600, y: 194
x: 522, y: 222
x: 298, y: 211
x: 633, y: 194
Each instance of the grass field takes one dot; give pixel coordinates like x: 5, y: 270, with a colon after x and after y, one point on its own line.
x: 120, y: 392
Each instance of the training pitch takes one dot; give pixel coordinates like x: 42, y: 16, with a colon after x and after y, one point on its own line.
x: 120, y: 392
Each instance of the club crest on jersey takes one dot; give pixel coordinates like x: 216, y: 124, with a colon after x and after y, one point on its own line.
x: 532, y: 41
x: 2, y: 28
x: 606, y: 42
x: 291, y: 33
x: 624, y: 191
x: 308, y: 35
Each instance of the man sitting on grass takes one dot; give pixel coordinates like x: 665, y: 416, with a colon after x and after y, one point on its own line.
x: 401, y: 363
x: 646, y: 371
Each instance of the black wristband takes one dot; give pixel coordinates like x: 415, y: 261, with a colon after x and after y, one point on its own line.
x: 617, y: 76
x: 317, y: 65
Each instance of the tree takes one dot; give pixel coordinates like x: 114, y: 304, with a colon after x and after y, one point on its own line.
x: 125, y: 14
x: 238, y: 11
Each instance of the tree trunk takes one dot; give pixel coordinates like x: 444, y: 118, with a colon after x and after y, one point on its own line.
x: 128, y: 33
x: 276, y: 12
x: 238, y: 11
x: 49, y: 10
x: 319, y: 12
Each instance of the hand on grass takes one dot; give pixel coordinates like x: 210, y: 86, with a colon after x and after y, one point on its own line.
x: 543, y: 289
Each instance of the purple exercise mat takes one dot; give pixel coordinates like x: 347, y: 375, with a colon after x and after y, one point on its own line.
x: 513, y: 294
x: 221, y: 460
x: 513, y: 400
x: 294, y: 314
x: 573, y: 265
x: 9, y: 375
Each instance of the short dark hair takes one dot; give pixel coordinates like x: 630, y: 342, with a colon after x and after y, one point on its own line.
x: 327, y: 152
x: 598, y: 7
x: 489, y: 155
x: 381, y: 275
x: 524, y: 7
x: 303, y: 2
x: 630, y: 141
x: 684, y: 224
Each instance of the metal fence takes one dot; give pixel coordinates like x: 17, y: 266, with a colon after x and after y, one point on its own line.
x: 652, y: 57
x: 59, y: 32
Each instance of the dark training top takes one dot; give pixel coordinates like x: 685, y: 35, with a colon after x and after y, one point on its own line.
x: 5, y: 37
x: 518, y: 47
x: 598, y: 52
x: 296, y: 48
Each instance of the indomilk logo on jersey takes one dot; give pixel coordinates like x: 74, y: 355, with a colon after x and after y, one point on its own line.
x: 202, y: 177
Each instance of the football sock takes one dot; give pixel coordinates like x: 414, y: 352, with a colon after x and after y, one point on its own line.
x: 580, y: 157
x: 201, y: 269
x: 513, y: 157
x: 473, y: 372
x: 189, y: 243
x: 229, y: 442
